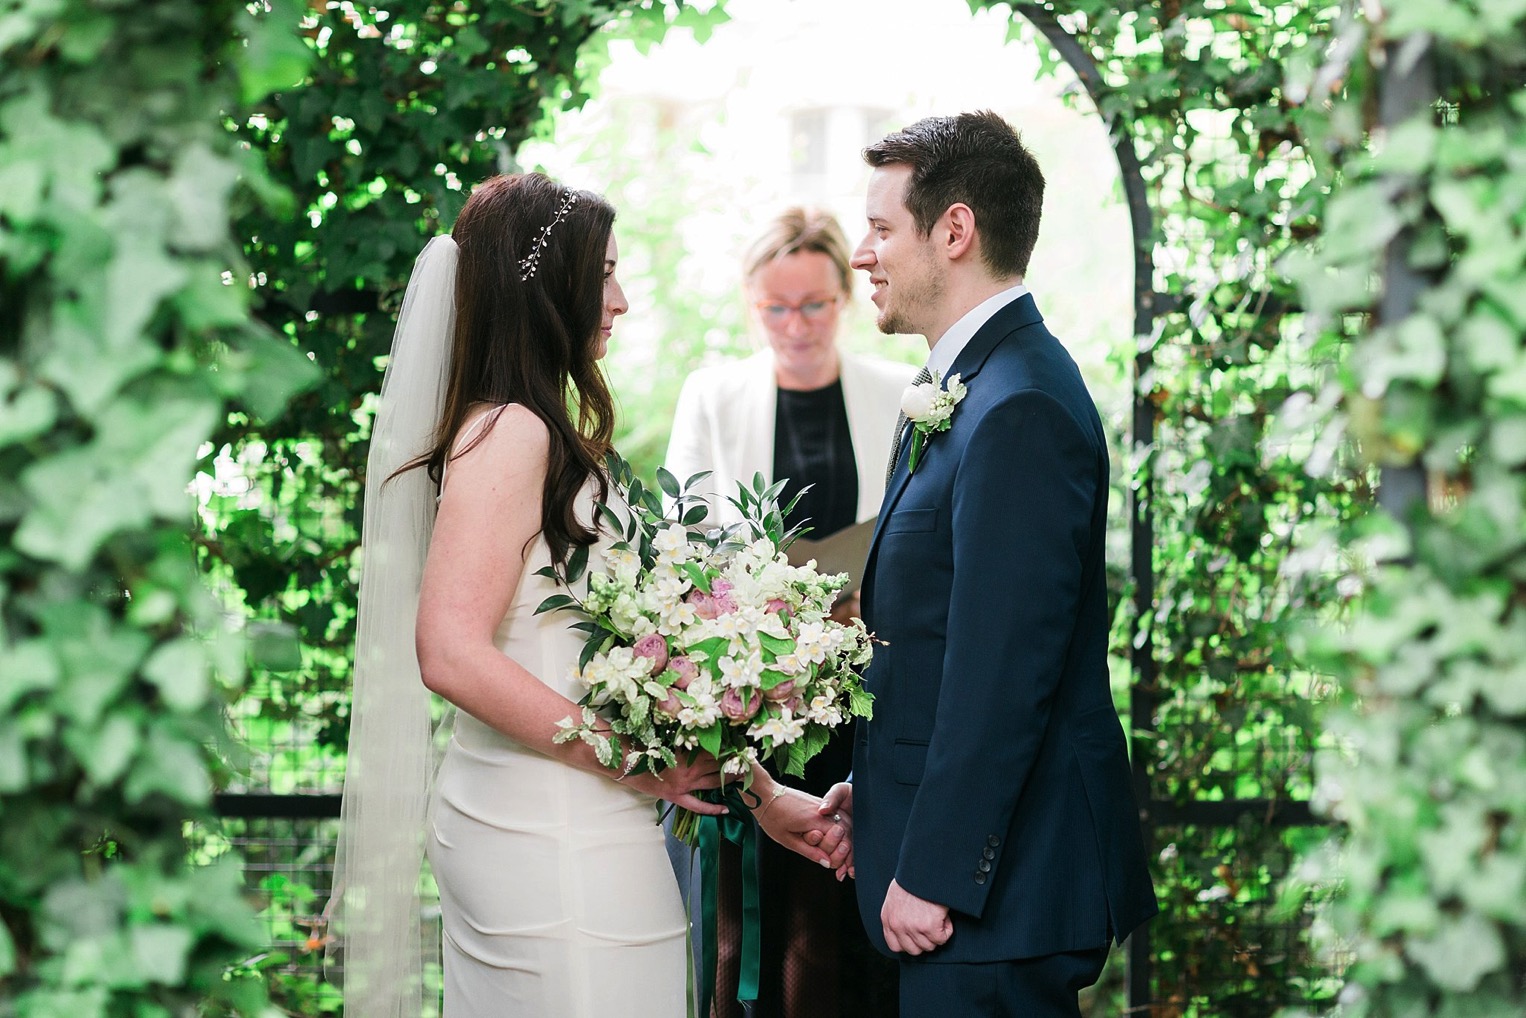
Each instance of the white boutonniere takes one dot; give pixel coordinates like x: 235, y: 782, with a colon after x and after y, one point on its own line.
x: 930, y: 409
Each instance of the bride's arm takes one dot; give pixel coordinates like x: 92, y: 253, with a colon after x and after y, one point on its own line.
x: 490, y: 512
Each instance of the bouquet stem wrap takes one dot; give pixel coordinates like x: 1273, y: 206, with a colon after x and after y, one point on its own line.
x: 738, y: 828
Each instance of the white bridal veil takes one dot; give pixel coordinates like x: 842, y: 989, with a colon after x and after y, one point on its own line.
x: 390, y: 762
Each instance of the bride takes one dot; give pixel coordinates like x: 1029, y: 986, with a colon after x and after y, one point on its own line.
x: 556, y: 894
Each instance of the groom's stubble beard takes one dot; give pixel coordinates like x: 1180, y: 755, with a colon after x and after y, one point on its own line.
x: 913, y: 299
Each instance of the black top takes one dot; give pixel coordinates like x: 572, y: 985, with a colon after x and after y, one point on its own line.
x: 812, y: 446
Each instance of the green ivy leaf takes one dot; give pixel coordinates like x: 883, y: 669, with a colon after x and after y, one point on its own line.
x: 182, y: 673
x: 274, y: 57
x: 1461, y: 952
x: 160, y: 951
x: 172, y: 766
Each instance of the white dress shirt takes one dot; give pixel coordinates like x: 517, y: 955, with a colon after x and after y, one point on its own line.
x: 943, y: 354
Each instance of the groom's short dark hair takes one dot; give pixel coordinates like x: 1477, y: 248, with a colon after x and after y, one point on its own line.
x: 977, y: 159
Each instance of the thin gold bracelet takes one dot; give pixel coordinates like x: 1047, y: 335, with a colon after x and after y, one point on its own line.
x: 779, y: 789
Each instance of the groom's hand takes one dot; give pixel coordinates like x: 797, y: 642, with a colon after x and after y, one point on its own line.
x: 913, y: 925
x: 838, y: 804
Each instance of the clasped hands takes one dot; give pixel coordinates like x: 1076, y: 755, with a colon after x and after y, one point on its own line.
x: 802, y: 823
x: 797, y: 820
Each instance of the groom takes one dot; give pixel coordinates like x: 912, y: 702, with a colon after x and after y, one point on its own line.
x: 997, y: 842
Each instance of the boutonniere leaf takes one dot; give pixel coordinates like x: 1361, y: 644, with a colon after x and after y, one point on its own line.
x: 930, y: 409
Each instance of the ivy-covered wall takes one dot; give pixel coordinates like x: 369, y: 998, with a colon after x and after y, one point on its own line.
x: 1428, y: 751
x: 125, y: 340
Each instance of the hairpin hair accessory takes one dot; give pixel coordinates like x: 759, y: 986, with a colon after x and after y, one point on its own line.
x: 530, y: 262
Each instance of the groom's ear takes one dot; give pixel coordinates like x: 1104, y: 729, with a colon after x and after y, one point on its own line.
x: 956, y: 232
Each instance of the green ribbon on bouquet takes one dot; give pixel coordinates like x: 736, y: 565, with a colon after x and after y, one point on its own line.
x: 738, y: 828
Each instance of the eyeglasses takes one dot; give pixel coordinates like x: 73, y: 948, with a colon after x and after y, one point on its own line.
x: 774, y: 313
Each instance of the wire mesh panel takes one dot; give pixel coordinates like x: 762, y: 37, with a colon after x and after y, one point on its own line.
x: 1228, y: 942
x: 289, y: 870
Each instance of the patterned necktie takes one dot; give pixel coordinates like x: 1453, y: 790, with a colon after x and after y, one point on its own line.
x: 923, y: 375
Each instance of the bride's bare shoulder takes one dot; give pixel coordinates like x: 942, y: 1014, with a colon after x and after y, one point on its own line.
x: 506, y: 428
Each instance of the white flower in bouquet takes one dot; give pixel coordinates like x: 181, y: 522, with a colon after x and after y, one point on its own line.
x: 780, y: 730
x: 710, y: 642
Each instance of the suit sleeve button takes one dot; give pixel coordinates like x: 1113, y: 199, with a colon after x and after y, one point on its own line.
x: 989, y: 853
x: 985, y: 865
x: 993, y: 841
x: 980, y: 878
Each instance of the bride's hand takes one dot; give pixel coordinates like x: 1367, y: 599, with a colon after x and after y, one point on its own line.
x: 678, y: 784
x: 794, y: 819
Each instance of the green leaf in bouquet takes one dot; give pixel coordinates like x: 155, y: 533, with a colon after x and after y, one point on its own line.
x: 710, y: 649
x: 668, y: 483
x: 634, y: 492
x: 710, y: 739
x: 798, y: 530
x: 695, y: 514
x: 594, y: 645
x: 742, y: 507
x: 653, y: 502
x: 772, y: 494
x: 608, y: 515
x: 773, y: 525
x: 796, y: 500
x: 554, y: 602
x: 758, y: 484
x: 636, y: 711
x: 861, y: 702
x: 577, y: 562
x: 696, y: 575
x: 548, y: 573
x: 696, y: 478
x: 606, y: 753
x: 776, y: 644
x: 813, y: 741
x: 589, y: 627
x: 772, y: 678
x: 788, y: 761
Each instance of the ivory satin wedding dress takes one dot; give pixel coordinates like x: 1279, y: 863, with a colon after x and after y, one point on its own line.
x: 557, y: 897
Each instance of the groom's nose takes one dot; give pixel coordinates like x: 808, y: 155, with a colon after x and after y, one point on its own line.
x: 863, y: 257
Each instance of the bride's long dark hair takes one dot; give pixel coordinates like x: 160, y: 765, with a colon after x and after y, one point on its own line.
x: 533, y: 342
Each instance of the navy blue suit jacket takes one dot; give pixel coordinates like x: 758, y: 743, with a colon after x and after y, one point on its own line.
x: 994, y: 776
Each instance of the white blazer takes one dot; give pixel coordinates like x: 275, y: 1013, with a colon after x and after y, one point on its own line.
x: 724, y: 423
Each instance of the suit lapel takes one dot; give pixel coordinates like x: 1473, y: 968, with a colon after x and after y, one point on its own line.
x: 1019, y: 314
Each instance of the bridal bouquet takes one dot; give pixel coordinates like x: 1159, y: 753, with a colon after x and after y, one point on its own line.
x: 707, y: 640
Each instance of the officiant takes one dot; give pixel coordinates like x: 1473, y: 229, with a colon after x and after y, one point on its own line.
x: 800, y: 408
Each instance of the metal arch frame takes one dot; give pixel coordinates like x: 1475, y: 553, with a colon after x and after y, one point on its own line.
x: 1141, y: 442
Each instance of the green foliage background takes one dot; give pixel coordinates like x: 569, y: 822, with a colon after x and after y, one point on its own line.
x: 125, y: 340
x: 334, y: 138
x: 1428, y: 738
